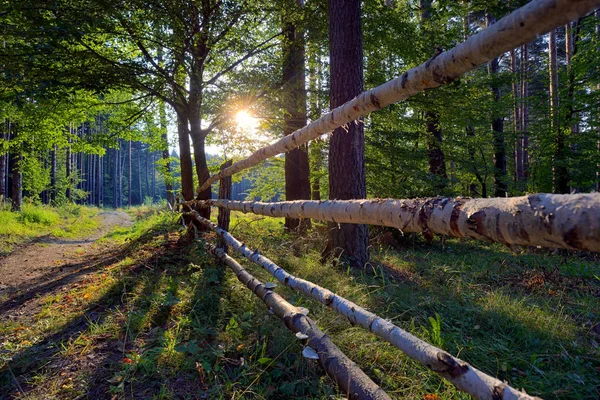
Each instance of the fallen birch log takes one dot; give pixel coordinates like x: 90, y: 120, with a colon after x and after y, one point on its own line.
x: 521, y: 26
x: 458, y: 372
x: 548, y: 220
x: 347, y: 375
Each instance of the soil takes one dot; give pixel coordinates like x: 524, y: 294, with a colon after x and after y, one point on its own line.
x: 48, y: 263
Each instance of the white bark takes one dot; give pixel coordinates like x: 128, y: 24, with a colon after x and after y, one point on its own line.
x: 349, y: 377
x: 458, y: 372
x: 556, y: 221
x: 520, y: 27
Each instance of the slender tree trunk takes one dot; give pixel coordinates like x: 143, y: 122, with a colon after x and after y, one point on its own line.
x: 153, y: 172
x: 115, y: 178
x: 139, y: 172
x: 525, y: 109
x: 147, y: 171
x: 53, y: 174
x: 3, y: 159
x: 100, y: 181
x: 129, y: 192
x: 500, y: 186
x: 560, y: 174
x: 166, y: 156
x: 68, y: 163
x: 185, y: 158
x: 435, y: 154
x: 347, y: 148
x: 572, y: 121
x: 17, y: 176
x: 297, y: 173
x: 516, y: 84
x: 598, y: 118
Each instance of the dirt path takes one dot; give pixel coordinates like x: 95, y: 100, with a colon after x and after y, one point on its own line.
x: 39, y: 267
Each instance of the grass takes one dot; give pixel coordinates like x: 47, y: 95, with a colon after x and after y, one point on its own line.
x: 68, y: 221
x: 165, y: 321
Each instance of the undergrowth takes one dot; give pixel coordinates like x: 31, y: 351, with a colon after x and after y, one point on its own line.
x: 165, y: 321
x: 67, y: 221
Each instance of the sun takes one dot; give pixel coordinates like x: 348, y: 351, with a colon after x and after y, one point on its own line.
x: 245, y: 120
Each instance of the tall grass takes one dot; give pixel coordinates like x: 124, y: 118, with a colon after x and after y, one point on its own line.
x: 38, y: 220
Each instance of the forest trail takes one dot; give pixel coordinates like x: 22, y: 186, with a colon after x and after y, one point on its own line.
x: 49, y: 263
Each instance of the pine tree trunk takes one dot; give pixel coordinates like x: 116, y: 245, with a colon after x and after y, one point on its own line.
x: 100, y: 181
x: 146, y: 170
x: 115, y: 178
x: 3, y: 158
x: 500, y: 186
x: 516, y: 84
x: 598, y: 118
x: 17, y: 176
x: 68, y: 163
x: 53, y: 174
x: 572, y: 121
x: 153, y: 172
x: 297, y: 173
x: 347, y: 148
x: 560, y: 174
x: 129, y: 191
x: 525, y: 109
x: 139, y: 172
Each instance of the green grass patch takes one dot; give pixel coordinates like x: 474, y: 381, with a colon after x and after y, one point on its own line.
x: 68, y: 221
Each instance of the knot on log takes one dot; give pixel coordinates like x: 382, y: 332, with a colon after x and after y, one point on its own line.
x: 453, y: 367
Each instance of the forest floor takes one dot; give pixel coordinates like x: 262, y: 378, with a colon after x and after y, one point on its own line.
x: 143, y: 312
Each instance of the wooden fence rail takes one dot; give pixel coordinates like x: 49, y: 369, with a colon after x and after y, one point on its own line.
x: 520, y: 27
x: 348, y: 376
x: 548, y: 220
x: 458, y: 372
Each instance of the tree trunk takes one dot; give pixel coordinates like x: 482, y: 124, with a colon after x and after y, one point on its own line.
x: 435, y: 154
x: 572, y: 121
x: 68, y: 163
x: 139, y: 172
x: 598, y: 118
x: 115, y: 178
x: 53, y: 174
x: 560, y: 174
x: 3, y: 158
x: 347, y: 147
x: 147, y: 171
x: 297, y: 173
x: 198, y: 142
x: 525, y: 109
x: 129, y: 192
x: 100, y: 181
x: 153, y: 172
x: 166, y: 156
x: 500, y: 186
x: 516, y: 91
x: 17, y: 175
x: 185, y: 158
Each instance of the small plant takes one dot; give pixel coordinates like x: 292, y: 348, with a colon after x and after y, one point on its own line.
x: 435, y: 332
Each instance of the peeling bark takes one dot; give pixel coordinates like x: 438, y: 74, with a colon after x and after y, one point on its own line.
x: 520, y: 27
x: 458, y: 372
x: 348, y: 376
x: 555, y: 221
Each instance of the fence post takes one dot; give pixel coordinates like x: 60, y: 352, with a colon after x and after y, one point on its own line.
x: 224, y: 193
